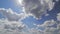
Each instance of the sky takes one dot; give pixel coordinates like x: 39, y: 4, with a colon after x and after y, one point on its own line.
x: 29, y: 16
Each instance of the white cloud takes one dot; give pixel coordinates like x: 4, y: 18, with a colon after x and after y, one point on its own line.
x: 50, y: 27
x: 58, y: 16
x: 12, y: 24
x: 37, y: 7
x: 11, y: 27
x: 11, y: 15
x: 46, y: 14
x: 47, y: 23
x: 15, y: 27
x: 50, y: 4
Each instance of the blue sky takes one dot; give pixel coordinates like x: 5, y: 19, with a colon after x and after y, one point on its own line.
x: 30, y: 20
x: 10, y: 4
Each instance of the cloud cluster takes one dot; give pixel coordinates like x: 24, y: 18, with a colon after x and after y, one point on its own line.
x: 12, y: 24
x: 11, y: 15
x: 37, y: 8
x: 11, y: 27
x: 50, y: 27
x: 14, y: 27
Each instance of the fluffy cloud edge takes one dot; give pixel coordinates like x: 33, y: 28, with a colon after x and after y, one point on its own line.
x: 32, y: 9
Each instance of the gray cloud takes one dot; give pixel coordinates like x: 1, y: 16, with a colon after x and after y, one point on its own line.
x: 13, y: 27
x: 37, y: 7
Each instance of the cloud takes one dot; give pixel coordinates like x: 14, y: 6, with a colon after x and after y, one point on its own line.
x: 46, y: 14
x: 15, y: 27
x: 58, y: 16
x: 51, y: 31
x: 12, y: 23
x: 56, y: 0
x: 49, y: 27
x: 35, y: 31
x: 37, y: 8
x: 48, y: 23
x: 11, y: 15
x: 11, y: 27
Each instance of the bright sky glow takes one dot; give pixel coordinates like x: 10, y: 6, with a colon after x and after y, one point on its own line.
x: 20, y: 1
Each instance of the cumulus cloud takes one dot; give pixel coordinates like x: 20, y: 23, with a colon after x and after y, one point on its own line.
x: 17, y: 27
x: 14, y: 27
x: 50, y: 27
x: 37, y: 7
x: 11, y: 27
x: 11, y: 15
x: 12, y: 23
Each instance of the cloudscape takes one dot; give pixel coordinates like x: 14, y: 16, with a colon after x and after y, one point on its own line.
x: 29, y: 16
